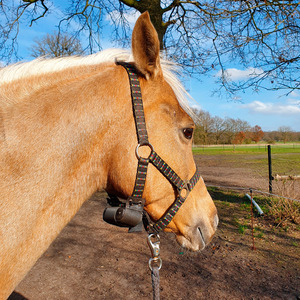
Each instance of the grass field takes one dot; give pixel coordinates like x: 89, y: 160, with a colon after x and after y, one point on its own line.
x: 246, y: 149
x: 285, y: 158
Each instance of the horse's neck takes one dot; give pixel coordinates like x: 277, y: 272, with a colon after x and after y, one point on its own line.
x: 50, y: 164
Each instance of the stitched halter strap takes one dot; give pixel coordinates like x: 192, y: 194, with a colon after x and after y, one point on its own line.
x: 183, y: 187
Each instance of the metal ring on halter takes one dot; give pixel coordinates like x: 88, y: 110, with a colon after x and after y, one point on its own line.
x: 141, y: 145
x: 185, y: 190
x: 157, y: 261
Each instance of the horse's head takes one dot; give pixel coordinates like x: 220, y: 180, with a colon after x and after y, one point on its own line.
x: 170, y: 130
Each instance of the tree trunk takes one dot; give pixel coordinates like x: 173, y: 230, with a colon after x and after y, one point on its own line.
x: 156, y: 19
x: 155, y: 12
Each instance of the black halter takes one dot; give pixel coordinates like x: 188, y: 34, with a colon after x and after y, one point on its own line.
x: 131, y: 213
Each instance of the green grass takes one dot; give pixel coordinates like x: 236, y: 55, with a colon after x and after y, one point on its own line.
x: 285, y: 159
x: 243, y: 149
x: 240, y: 198
x: 260, y: 235
x: 242, y: 228
x: 228, y: 196
x: 279, y: 212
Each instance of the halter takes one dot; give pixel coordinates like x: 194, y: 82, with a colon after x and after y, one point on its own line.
x: 130, y: 213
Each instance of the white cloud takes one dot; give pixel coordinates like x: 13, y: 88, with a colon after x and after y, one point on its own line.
x: 269, y: 108
x: 196, y: 106
x: 293, y: 101
x: 234, y: 74
x: 294, y: 94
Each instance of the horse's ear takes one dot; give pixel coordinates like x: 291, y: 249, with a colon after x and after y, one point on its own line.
x: 145, y: 46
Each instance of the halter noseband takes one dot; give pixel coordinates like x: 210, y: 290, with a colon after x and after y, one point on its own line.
x: 130, y: 213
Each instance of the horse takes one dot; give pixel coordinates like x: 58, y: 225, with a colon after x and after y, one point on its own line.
x: 67, y: 130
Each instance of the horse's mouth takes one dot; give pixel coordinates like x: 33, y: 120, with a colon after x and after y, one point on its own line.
x: 194, y: 241
x: 197, y: 238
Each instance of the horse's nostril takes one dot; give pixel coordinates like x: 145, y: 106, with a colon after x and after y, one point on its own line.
x: 201, y: 234
x: 216, y: 221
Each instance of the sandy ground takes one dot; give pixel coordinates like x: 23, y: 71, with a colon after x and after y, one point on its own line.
x: 94, y: 260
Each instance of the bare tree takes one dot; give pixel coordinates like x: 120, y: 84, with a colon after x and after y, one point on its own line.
x: 285, y: 133
x: 233, y: 127
x: 204, y: 36
x: 204, y: 125
x: 219, y: 127
x: 56, y: 45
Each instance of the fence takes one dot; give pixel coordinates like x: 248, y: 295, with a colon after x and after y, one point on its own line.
x: 238, y: 176
x: 254, y: 146
x: 250, y: 166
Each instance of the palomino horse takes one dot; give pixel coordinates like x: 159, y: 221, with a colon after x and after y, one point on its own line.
x: 67, y: 130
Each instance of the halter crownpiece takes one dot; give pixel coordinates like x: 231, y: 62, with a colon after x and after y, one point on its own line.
x: 130, y: 213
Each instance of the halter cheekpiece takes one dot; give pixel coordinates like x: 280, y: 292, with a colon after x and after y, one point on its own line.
x: 130, y: 212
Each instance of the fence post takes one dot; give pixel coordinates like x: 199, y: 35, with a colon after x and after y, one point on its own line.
x: 252, y: 220
x: 270, y: 168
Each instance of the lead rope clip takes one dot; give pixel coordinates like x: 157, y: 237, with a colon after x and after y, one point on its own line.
x: 155, y: 263
x: 154, y: 245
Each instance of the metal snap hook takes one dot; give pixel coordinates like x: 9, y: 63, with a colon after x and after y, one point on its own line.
x: 154, y: 245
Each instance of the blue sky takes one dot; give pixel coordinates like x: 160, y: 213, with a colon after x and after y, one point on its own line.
x: 270, y: 110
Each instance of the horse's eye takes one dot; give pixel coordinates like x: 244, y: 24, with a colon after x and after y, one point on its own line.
x: 188, y: 133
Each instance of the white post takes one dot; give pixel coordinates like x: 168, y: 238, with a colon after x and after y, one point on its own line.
x: 256, y: 205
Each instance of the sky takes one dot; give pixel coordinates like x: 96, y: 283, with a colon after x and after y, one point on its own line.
x: 268, y: 109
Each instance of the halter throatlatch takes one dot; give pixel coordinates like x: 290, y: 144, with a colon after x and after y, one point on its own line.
x: 130, y: 213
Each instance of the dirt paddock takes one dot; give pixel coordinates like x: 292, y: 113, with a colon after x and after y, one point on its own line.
x: 93, y: 260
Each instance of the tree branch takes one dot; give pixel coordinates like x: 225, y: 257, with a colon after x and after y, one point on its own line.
x: 40, y: 16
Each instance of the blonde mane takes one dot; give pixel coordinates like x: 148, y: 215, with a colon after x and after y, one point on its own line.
x: 42, y: 66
